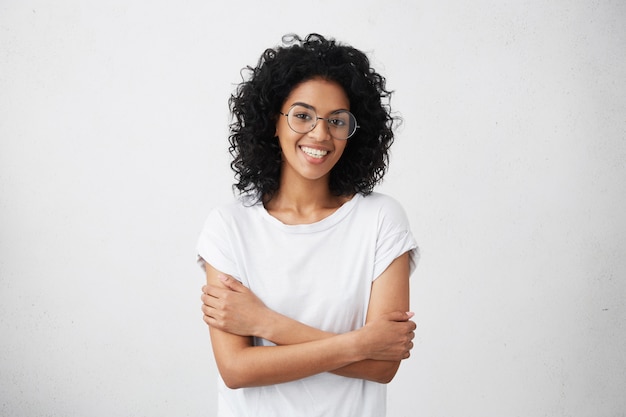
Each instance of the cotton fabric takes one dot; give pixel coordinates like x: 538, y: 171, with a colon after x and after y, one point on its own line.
x: 319, y: 274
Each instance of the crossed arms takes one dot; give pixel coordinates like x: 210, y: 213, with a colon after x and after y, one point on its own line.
x: 234, y: 315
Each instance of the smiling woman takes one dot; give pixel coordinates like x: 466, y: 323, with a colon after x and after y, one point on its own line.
x: 308, y: 271
x: 310, y: 155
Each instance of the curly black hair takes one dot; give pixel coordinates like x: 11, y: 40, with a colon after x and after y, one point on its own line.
x: 257, y: 101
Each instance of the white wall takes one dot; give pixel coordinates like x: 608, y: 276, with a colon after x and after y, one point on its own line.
x: 511, y: 164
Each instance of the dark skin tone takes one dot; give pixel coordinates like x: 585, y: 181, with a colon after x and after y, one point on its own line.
x: 234, y: 313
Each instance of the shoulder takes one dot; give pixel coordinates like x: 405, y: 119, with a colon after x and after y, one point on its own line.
x: 383, y: 204
x: 239, y: 206
x: 380, y: 199
x: 385, y: 211
x: 235, y: 211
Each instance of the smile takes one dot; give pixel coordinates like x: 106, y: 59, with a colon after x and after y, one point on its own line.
x: 314, y: 153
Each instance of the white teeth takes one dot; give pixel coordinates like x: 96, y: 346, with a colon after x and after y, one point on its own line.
x: 315, y: 153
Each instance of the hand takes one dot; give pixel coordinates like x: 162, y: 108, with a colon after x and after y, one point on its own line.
x: 389, y: 337
x: 233, y: 309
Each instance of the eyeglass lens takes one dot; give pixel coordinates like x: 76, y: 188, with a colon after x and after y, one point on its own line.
x: 341, y: 124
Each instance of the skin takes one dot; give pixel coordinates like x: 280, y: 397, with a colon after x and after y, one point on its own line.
x: 303, y: 195
x: 234, y: 313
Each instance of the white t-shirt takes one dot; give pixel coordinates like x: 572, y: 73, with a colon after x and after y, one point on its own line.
x: 319, y: 274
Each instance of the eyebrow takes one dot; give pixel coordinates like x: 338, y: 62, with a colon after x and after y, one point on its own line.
x: 308, y: 106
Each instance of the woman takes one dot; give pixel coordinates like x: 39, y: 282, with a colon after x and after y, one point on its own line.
x: 308, y: 272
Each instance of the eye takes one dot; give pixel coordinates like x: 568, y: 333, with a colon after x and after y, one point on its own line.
x: 337, y: 122
x: 303, y: 116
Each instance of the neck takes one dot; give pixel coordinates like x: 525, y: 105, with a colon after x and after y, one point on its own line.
x: 303, y: 201
x: 302, y: 194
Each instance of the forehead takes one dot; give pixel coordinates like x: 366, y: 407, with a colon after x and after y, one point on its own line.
x: 320, y: 94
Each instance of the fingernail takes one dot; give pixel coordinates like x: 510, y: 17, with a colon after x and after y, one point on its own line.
x: 222, y: 278
x: 410, y: 314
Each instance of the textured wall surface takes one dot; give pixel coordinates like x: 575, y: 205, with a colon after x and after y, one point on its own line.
x: 511, y: 164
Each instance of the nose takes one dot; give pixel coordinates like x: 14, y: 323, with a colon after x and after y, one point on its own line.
x: 320, y: 132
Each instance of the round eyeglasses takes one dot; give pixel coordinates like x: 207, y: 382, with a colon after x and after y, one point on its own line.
x: 303, y: 119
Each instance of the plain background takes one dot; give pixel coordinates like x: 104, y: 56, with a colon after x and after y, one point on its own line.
x: 511, y: 165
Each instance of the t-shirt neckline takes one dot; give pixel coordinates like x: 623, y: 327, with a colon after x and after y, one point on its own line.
x: 324, y: 224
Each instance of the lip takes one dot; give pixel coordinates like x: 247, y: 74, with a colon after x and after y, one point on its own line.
x: 311, y: 158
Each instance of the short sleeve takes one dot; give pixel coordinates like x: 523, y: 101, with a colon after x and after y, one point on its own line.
x: 394, y: 238
x: 214, y: 244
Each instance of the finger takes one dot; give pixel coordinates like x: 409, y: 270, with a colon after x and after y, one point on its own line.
x: 206, y: 297
x: 211, y: 321
x: 231, y: 283
x: 209, y: 301
x: 398, y: 316
x: 215, y: 292
x: 394, y: 316
x: 207, y: 310
x: 211, y: 315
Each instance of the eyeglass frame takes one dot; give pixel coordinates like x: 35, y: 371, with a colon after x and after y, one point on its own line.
x: 317, y: 118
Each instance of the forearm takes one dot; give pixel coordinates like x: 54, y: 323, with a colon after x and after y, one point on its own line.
x: 372, y: 352
x: 282, y: 330
x: 248, y: 366
x: 371, y: 370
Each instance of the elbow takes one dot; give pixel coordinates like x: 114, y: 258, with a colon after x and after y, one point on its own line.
x: 232, y: 383
x: 384, y: 379
x: 232, y: 377
x: 235, y: 378
x: 387, y: 373
x: 237, y: 371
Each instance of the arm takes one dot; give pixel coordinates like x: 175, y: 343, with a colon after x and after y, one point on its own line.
x: 242, y: 364
x: 390, y: 292
x: 235, y: 309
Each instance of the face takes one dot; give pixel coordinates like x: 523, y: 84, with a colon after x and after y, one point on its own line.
x: 312, y: 155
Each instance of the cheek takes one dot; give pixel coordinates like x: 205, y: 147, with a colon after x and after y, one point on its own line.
x: 282, y: 128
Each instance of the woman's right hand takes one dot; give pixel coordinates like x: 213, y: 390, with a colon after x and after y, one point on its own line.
x: 232, y: 308
x: 389, y: 337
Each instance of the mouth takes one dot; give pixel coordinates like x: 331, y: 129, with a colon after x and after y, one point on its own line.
x: 314, y: 153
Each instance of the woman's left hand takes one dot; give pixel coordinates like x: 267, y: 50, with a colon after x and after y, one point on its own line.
x: 232, y: 308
